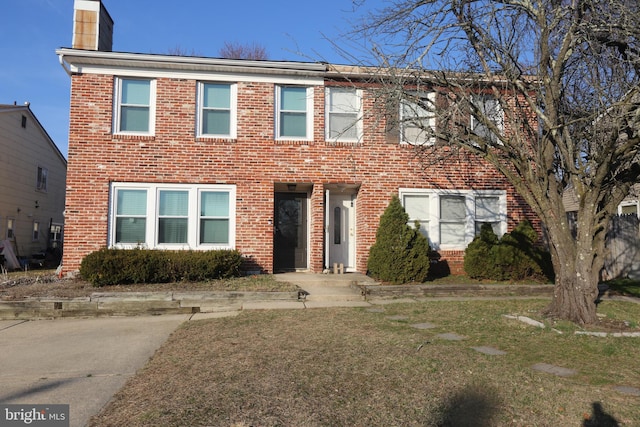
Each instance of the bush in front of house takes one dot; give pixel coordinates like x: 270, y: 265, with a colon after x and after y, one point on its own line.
x: 126, y: 266
x: 400, y: 253
x: 513, y: 257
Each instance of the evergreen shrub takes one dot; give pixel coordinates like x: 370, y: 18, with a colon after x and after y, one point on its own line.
x: 400, y: 253
x: 126, y: 266
x: 513, y: 257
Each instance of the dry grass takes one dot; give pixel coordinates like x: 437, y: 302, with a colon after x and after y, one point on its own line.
x: 358, y: 367
x: 44, y: 283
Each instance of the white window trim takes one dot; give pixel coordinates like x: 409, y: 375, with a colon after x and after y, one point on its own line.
x: 328, y: 112
x: 233, y: 125
x: 151, y: 231
x: 309, y: 115
x: 431, y: 98
x: 117, y: 98
x: 626, y: 204
x: 473, y: 123
x: 433, y: 227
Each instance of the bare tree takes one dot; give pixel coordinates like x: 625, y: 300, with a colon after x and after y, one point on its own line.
x: 234, y: 50
x: 563, y: 74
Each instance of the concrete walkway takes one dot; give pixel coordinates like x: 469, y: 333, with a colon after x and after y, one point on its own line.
x: 77, y: 362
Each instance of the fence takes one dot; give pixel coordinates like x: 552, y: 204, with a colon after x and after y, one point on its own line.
x: 622, y: 256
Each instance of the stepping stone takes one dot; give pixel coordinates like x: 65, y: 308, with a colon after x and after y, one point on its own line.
x: 376, y: 310
x: 398, y: 317
x: 633, y: 391
x: 425, y: 325
x: 554, y: 370
x: 489, y: 350
x: 451, y: 336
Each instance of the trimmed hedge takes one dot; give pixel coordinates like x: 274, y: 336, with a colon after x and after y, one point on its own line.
x: 400, y: 253
x: 513, y: 257
x: 126, y: 266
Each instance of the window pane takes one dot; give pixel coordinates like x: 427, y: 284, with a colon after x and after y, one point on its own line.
x: 343, y: 126
x: 130, y: 230
x: 132, y: 202
x: 293, y: 124
x: 452, y: 208
x: 216, y: 122
x: 136, y: 92
x: 452, y: 233
x: 487, y: 208
x: 172, y: 230
x: 417, y: 207
x: 217, y: 96
x: 214, y: 204
x: 174, y: 203
x: 494, y: 225
x: 343, y: 100
x: 134, y: 119
x: 293, y: 98
x: 214, y: 231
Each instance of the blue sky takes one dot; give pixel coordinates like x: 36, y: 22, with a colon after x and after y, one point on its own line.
x: 31, y: 31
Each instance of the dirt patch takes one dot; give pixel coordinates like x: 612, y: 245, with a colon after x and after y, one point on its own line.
x: 20, y: 286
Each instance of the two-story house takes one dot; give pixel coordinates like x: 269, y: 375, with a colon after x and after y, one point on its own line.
x: 285, y: 161
x: 32, y: 186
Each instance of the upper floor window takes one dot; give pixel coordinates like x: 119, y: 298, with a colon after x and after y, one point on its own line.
x: 488, y: 107
x: 294, y: 112
x: 36, y: 231
x: 217, y: 109
x: 134, y: 110
x: 452, y: 218
x: 180, y: 216
x: 343, y: 107
x: 418, y: 119
x: 41, y: 179
x: 10, y: 228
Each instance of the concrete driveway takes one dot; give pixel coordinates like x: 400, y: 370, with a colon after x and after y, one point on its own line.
x: 79, y: 362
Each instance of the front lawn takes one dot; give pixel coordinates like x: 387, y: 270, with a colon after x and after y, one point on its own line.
x: 394, y: 365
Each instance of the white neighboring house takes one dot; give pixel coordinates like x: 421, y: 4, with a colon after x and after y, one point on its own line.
x: 33, y: 175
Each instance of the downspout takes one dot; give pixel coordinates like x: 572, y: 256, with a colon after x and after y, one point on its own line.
x: 62, y: 64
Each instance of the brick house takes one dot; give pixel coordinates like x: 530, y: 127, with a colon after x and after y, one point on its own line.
x: 279, y: 160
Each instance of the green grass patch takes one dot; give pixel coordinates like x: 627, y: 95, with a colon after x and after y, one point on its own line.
x: 625, y: 287
x: 358, y: 367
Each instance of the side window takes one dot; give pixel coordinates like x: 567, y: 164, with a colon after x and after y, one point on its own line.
x: 294, y: 108
x: 488, y: 211
x: 343, y: 107
x: 418, y: 119
x: 134, y: 112
x: 217, y: 109
x: 10, y: 228
x: 490, y: 108
x: 417, y: 207
x: 36, y: 231
x: 130, y: 216
x: 41, y: 180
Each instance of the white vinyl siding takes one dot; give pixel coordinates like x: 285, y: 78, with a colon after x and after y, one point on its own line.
x: 450, y: 218
x: 173, y: 216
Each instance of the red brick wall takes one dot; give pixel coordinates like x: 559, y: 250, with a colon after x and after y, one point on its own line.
x: 253, y: 162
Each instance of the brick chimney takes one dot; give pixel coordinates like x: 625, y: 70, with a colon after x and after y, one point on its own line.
x: 92, y: 26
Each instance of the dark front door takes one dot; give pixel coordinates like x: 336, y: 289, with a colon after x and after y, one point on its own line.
x: 290, y: 238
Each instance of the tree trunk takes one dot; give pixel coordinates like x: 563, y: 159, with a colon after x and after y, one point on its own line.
x: 576, y: 283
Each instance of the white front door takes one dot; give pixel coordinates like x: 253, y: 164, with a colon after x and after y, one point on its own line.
x: 341, y: 230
